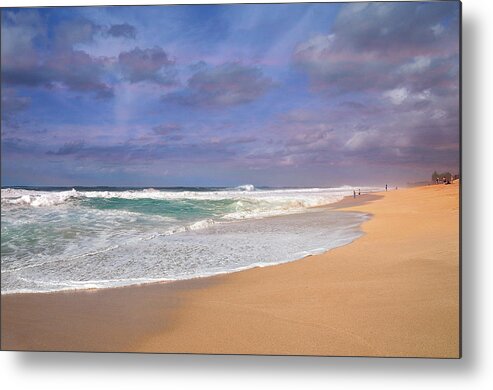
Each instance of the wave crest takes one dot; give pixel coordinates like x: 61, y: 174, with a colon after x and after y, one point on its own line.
x: 37, y: 198
x: 245, y: 187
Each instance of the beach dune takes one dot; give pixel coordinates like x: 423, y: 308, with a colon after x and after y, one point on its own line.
x: 392, y: 292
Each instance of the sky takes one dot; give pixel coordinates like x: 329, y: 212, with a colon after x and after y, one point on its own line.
x: 223, y: 95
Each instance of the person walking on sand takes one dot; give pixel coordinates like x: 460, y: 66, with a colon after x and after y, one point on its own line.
x: 385, y: 187
x: 354, y: 194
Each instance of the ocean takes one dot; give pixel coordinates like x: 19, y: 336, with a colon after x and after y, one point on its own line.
x: 58, y: 238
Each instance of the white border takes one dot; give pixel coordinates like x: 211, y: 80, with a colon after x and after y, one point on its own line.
x: 124, y: 371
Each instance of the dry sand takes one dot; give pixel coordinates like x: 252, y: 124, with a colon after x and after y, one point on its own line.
x: 393, y: 292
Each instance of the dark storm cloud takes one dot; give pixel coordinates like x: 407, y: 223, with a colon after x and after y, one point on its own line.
x: 73, y: 69
x: 123, y: 30
x: 400, y: 64
x: 390, y: 27
x: 377, y: 46
x: 26, y: 61
x: 153, y: 65
x: 226, y: 85
x: 80, y: 72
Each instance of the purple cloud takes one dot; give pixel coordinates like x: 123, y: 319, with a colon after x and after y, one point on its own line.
x: 24, y: 64
x: 74, y: 69
x: 388, y: 131
x: 377, y: 46
x: 390, y: 27
x: 69, y: 148
x: 377, y: 92
x: 399, y: 64
x: 123, y: 30
x: 69, y: 33
x: 82, y: 30
x: 12, y: 103
x: 152, y: 65
x: 226, y: 85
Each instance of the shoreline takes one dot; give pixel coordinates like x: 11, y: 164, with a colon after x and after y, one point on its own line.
x: 347, y: 201
x: 392, y: 292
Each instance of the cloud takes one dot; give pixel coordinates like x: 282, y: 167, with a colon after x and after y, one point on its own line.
x: 382, y: 94
x: 68, y: 148
x: 19, y: 147
x: 135, y: 152
x: 232, y: 141
x: 230, y: 84
x: 18, y: 31
x: 393, y: 27
x: 73, y: 69
x: 169, y: 132
x: 397, y: 95
x: 72, y: 32
x: 12, y: 103
x: 379, y: 46
x: 362, y: 140
x: 418, y: 64
x: 80, y: 72
x: 396, y: 67
x: 27, y: 63
x: 166, y: 129
x: 123, y: 30
x: 152, y: 65
x: 421, y: 130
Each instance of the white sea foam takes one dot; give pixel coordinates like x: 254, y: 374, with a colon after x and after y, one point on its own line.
x: 223, y: 248
x: 262, y: 202
x: 202, y: 224
x: 245, y: 187
x: 37, y: 198
x: 59, y: 240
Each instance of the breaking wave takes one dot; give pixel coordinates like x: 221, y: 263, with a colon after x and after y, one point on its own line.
x: 70, y: 238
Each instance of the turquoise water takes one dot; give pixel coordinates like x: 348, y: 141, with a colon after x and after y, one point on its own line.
x: 85, y: 238
x: 181, y: 209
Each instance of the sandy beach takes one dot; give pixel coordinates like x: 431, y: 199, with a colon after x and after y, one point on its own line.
x: 392, y: 292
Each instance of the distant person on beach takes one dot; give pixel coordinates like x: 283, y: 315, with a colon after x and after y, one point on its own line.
x: 354, y: 194
x: 385, y: 187
x: 359, y: 192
